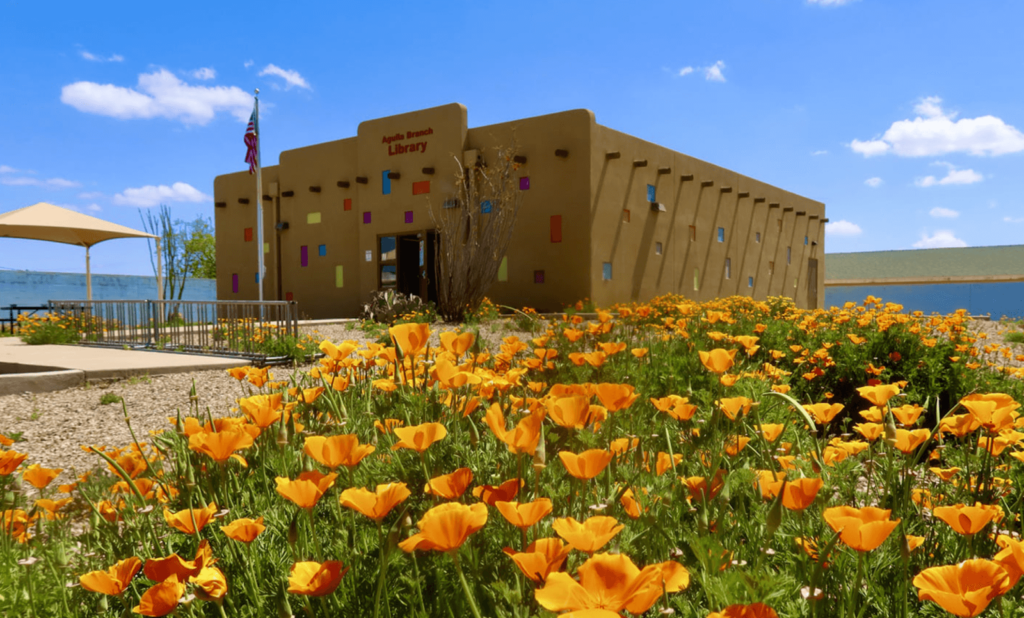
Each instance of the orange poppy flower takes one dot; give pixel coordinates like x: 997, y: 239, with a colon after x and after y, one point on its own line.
x: 418, y: 437
x: 10, y: 460
x: 880, y: 394
x: 457, y: 343
x: 968, y: 520
x: 675, y: 406
x: 610, y: 582
x: 306, y: 490
x: 338, y: 353
x: 210, y: 584
x: 160, y: 569
x: 572, y: 412
x: 39, y: 477
x: 1010, y: 557
x: 945, y: 473
x: 995, y: 411
x: 733, y: 407
x: 590, y: 535
x: 525, y: 514
x: 698, y: 486
x: 630, y: 504
x: 796, y: 495
x: 872, y: 414
x: 959, y: 424
x: 964, y: 589
x: 375, y: 504
x: 541, y: 558
x: 315, y: 579
x: 160, y: 599
x: 446, y: 527
x: 717, y: 360
x: 182, y: 520
x: 862, y: 529
x: 491, y: 495
x: 342, y: 450
x: 913, y: 542
x: 411, y: 338
x: 243, y: 529
x: 450, y: 486
x: 52, y: 507
x: 870, y: 431
x: 823, y: 412
x: 262, y: 410
x: 907, y: 440
x: 907, y: 415
x: 114, y: 580
x: 754, y: 610
x: 587, y: 464
x: 616, y: 397
x: 665, y: 463
x: 526, y: 435
x: 639, y: 352
x: 220, y: 446
x: 771, y: 431
x: 735, y: 444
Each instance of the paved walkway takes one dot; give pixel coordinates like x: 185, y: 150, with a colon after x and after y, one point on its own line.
x: 43, y: 368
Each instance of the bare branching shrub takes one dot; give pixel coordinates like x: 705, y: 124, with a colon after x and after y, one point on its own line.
x: 474, y: 229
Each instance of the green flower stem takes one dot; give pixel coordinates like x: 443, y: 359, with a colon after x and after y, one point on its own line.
x: 465, y: 585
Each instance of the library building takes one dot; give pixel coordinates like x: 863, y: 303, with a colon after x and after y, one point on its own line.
x: 604, y: 216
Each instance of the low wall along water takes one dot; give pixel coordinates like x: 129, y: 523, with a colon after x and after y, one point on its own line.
x: 28, y: 287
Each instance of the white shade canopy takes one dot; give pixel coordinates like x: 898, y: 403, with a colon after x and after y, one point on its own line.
x: 44, y: 221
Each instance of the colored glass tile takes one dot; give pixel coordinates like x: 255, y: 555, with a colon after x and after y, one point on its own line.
x: 651, y: 193
x: 248, y: 234
x: 289, y: 296
x: 348, y: 203
x: 606, y: 271
x: 503, y: 269
x: 234, y: 283
x: 366, y: 217
x: 485, y: 207
x: 524, y: 183
x: 408, y: 216
x: 385, y: 183
x: 313, y: 218
x: 556, y: 228
x: 322, y: 250
x: 304, y: 255
x: 339, y: 276
x: 538, y: 276
x: 421, y: 187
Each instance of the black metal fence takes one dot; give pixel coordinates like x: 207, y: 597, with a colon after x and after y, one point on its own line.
x: 10, y: 322
x: 228, y: 328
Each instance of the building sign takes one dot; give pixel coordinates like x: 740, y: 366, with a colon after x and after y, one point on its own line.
x: 395, y: 148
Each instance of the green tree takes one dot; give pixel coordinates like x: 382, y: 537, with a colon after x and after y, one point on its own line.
x: 188, y: 249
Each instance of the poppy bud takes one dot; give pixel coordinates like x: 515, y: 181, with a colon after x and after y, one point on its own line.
x: 190, y: 477
x: 890, y: 430
x: 102, y: 606
x: 904, y: 548
x: 293, y: 531
x: 282, y: 436
x: 775, y: 513
x: 307, y: 464
x: 60, y: 557
x: 284, y: 609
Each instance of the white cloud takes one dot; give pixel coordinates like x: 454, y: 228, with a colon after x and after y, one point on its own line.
x: 151, y: 195
x: 943, y: 213
x: 874, y: 182
x: 952, y: 177
x: 6, y: 169
x: 829, y: 2
x: 1013, y: 219
x: 935, y: 132
x: 248, y: 63
x: 51, y: 183
x: 818, y: 153
x: 93, y: 208
x: 940, y: 239
x: 204, y: 73
x: 90, y: 195
x: 95, y: 58
x: 159, y: 94
x: 842, y: 228
x: 291, y: 78
x: 683, y: 72
x: 713, y: 73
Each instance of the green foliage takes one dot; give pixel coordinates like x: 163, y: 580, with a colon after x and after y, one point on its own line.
x: 1014, y: 337
x: 108, y: 398
x: 187, y: 249
x: 390, y: 306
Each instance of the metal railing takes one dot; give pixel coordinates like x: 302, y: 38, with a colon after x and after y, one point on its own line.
x: 225, y: 328
x: 14, y: 311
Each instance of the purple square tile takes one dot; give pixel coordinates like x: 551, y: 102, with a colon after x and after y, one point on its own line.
x: 304, y: 255
x: 366, y: 217
x: 538, y: 276
x: 234, y: 283
x: 524, y: 183
x: 408, y: 216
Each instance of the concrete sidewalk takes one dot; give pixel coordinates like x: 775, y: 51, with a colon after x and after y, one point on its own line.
x: 44, y: 368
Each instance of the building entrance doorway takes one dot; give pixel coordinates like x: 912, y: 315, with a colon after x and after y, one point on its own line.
x: 406, y: 264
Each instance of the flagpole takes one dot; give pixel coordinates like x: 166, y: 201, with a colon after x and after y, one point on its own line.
x: 259, y: 205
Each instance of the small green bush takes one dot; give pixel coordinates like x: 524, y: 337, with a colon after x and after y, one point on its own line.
x: 108, y: 398
x: 1015, y: 337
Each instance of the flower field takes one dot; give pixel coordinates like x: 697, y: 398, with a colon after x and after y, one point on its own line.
x: 726, y: 459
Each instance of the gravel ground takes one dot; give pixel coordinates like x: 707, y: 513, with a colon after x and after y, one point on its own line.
x: 55, y: 425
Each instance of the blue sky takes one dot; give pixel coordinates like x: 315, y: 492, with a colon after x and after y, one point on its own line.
x: 904, y: 117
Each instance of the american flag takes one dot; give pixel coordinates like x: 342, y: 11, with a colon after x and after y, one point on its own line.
x: 251, y: 141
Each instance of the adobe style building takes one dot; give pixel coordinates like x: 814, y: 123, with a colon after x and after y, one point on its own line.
x: 605, y: 216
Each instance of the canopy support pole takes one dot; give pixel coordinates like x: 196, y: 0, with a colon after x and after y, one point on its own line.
x: 159, y: 271
x: 88, y: 276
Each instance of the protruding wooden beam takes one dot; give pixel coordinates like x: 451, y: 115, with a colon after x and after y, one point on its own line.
x: 758, y: 200
x: 562, y: 153
x: 394, y: 175
x: 726, y: 189
x: 743, y: 194
x: 686, y: 177
x: 615, y: 154
x: 220, y: 204
x: 344, y: 184
x: 287, y: 193
x: 664, y: 170
x: 243, y: 200
x: 362, y: 180
x: 428, y: 171
x: 639, y: 162
x: 707, y: 183
x: 314, y: 189
x: 521, y: 159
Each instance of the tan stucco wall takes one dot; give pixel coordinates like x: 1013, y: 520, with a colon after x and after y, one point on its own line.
x: 581, y: 184
x: 705, y: 196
